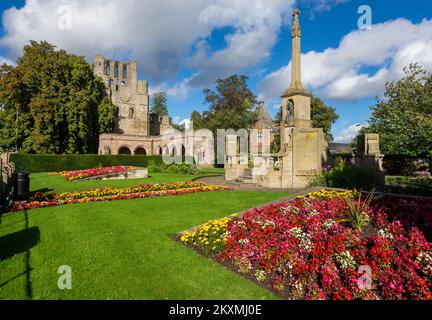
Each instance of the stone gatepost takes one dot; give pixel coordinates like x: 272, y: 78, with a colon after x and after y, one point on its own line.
x: 369, y: 155
x: 235, y: 163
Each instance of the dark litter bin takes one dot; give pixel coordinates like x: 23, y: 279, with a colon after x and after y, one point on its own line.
x: 22, y: 186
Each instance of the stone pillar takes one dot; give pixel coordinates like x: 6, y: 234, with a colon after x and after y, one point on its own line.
x: 369, y: 155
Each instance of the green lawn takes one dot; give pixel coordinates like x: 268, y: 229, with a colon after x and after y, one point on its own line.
x: 120, y: 250
x: 54, y: 183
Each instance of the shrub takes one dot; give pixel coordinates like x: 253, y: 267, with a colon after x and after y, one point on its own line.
x: 51, y: 163
x: 348, y: 176
x: 180, y: 168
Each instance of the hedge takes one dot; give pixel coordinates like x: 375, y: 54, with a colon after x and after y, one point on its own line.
x: 51, y: 163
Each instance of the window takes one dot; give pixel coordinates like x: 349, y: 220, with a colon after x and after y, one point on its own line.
x: 111, y: 83
x: 122, y: 84
x: 260, y: 137
x: 290, y: 110
x: 124, y: 72
x: 116, y: 70
x: 107, y: 69
x: 131, y: 113
x: 117, y: 88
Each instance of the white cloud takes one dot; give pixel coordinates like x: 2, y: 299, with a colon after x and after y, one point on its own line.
x: 322, y: 5
x: 161, y: 35
x: 339, y: 73
x: 180, y: 121
x: 157, y: 34
x: 256, y: 27
x: 348, y: 134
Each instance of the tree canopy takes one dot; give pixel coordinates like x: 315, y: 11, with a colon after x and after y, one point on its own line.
x: 231, y: 105
x: 50, y: 102
x: 159, y: 104
x: 403, y: 117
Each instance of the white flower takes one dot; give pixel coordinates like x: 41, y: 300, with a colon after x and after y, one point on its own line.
x: 424, y: 259
x: 305, y: 239
x: 260, y: 275
x: 328, y: 224
x: 385, y: 233
x: 314, y: 213
x: 244, y: 241
x: 345, y: 260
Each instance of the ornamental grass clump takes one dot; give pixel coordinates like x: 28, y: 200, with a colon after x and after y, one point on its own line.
x: 357, y: 213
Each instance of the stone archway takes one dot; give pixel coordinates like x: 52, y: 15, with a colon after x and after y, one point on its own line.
x: 165, y: 151
x: 125, y: 151
x: 140, y: 151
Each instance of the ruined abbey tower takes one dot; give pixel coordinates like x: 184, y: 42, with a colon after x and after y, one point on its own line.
x: 137, y: 130
x: 128, y: 94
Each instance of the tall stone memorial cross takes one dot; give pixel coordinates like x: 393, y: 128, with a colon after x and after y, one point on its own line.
x: 296, y: 82
x: 296, y: 100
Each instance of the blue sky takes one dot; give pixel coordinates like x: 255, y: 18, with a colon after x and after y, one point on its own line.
x: 182, y: 46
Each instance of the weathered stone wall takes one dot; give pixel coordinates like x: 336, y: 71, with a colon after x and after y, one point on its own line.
x: 127, y: 93
x: 165, y: 144
x: 7, y: 170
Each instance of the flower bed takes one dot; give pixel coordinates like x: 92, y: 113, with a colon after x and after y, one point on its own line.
x: 94, y: 172
x: 44, y: 200
x: 104, y: 192
x: 308, y: 249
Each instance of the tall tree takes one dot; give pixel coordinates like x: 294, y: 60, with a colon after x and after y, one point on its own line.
x: 159, y: 104
x: 106, y: 116
x: 231, y: 105
x: 403, y: 118
x: 50, y: 102
x: 197, y: 119
x: 323, y: 116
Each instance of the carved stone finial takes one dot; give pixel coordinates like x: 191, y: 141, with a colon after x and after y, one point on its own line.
x: 296, y: 31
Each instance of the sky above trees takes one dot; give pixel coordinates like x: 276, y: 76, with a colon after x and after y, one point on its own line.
x: 184, y: 46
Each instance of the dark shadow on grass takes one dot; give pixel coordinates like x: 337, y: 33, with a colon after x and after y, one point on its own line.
x: 20, y: 242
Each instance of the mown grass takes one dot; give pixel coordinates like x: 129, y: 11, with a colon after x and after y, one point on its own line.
x: 120, y: 250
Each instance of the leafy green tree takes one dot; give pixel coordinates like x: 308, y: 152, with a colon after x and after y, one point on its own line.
x: 323, y: 116
x: 403, y: 118
x: 159, y: 104
x: 50, y: 102
x: 231, y: 105
x: 197, y: 119
x: 106, y: 116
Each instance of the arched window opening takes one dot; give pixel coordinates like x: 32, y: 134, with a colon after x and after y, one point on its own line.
x: 124, y: 72
x: 116, y: 70
x: 131, y: 113
x: 107, y: 69
x: 290, y: 110
x: 140, y: 151
x: 165, y: 150
x: 125, y: 151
